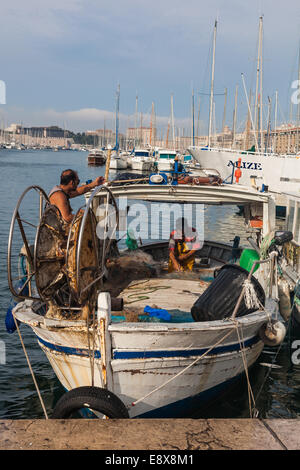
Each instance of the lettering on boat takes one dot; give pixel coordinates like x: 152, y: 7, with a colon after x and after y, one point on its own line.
x: 246, y: 165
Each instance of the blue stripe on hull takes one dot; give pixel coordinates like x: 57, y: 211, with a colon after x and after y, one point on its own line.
x: 150, y: 354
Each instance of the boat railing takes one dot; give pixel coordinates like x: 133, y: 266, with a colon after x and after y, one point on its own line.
x: 244, y: 152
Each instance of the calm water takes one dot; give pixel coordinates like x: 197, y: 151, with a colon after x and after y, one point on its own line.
x: 277, y: 390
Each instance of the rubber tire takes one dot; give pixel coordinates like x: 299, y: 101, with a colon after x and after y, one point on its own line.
x: 96, y: 398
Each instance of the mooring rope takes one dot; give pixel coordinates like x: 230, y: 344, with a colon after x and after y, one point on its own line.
x: 30, y: 368
x: 183, y: 370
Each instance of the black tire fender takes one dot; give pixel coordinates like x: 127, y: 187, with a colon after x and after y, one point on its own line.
x: 95, y: 398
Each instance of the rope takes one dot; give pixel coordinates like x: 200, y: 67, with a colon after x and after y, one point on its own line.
x: 252, y: 410
x: 183, y: 370
x: 30, y: 368
x: 145, y: 291
x: 249, y: 388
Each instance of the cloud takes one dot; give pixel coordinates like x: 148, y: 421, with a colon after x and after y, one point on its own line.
x: 85, y: 119
x: 70, y: 54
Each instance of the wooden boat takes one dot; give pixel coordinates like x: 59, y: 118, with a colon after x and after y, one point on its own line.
x: 112, y: 355
x: 96, y: 157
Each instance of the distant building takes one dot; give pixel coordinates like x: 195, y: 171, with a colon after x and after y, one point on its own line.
x: 286, y: 139
x: 141, y: 136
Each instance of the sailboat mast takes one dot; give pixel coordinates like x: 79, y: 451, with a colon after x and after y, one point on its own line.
x: 224, y: 117
x: 172, y: 121
x: 261, y: 93
x: 193, y: 118
x: 258, y: 76
x: 234, y: 116
x: 136, y: 121
x: 117, y: 117
x: 274, y: 144
x: 151, y: 124
x: 212, y: 84
x: 298, y: 105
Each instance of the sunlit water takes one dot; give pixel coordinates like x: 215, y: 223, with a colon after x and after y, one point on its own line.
x: 276, y: 390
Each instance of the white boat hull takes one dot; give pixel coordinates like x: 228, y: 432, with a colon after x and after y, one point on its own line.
x: 165, y: 165
x: 118, y: 164
x: 141, y: 165
x: 144, y: 357
x: 281, y: 173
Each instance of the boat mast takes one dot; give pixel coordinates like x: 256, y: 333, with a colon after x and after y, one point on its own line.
x: 198, y: 118
x: 269, y: 125
x: 234, y: 117
x: 274, y: 144
x: 224, y: 117
x: 261, y: 94
x: 249, y: 109
x: 212, y: 84
x: 298, y: 105
x: 258, y: 78
x: 248, y: 124
x: 136, y: 121
x: 172, y: 121
x: 151, y: 124
x: 117, y: 117
x: 193, y: 118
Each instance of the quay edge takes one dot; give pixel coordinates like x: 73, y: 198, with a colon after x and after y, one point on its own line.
x: 150, y: 434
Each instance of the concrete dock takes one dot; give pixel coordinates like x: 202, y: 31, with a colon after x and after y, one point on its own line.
x: 150, y: 434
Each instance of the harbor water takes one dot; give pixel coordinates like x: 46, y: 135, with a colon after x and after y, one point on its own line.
x: 275, y: 379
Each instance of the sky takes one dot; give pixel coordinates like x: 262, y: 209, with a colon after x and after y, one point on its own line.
x: 62, y: 60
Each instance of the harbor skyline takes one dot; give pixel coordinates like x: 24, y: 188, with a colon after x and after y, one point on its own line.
x: 75, y: 55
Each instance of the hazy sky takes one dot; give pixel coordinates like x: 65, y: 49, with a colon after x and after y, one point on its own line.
x: 62, y: 60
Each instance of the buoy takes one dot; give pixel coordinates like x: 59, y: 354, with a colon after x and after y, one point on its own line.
x: 238, y: 171
x: 272, y: 333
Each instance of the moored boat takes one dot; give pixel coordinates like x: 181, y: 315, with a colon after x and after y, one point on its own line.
x: 96, y: 157
x: 118, y: 161
x: 142, y: 160
x: 124, y: 324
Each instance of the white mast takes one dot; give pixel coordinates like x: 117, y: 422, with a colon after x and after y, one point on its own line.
x: 234, y: 116
x: 249, y: 109
x: 172, y: 121
x: 298, y: 106
x: 212, y: 84
x: 136, y: 121
x: 261, y: 93
x: 258, y: 77
x: 275, y: 123
x: 224, y: 117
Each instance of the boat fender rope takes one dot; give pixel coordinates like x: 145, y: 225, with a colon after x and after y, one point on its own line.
x: 250, y: 296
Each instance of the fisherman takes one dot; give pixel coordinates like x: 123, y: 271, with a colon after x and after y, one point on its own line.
x: 60, y: 195
x: 183, y: 245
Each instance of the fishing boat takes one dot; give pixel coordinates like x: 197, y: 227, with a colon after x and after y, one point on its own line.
x: 127, y: 337
x: 96, y: 157
x: 142, y: 160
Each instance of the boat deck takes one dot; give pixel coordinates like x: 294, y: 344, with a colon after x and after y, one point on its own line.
x: 176, y: 296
